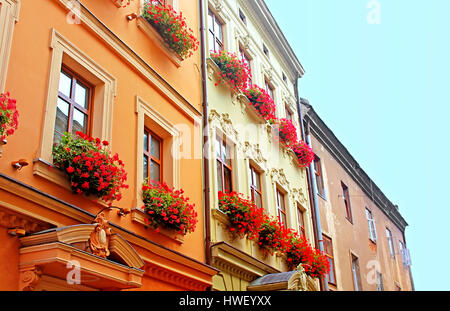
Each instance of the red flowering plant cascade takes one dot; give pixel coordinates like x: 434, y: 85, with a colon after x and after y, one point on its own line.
x: 168, y: 208
x: 232, y: 69
x: 299, y: 252
x: 261, y: 100
x: 245, y: 217
x: 273, y: 236
x: 8, y: 116
x: 287, y: 132
x: 304, y: 153
x: 90, y: 167
x: 172, y: 27
x: 319, y: 266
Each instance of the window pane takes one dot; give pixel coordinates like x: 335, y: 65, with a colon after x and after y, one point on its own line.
x: 146, y: 141
x: 331, y: 277
x: 155, y: 171
x: 81, y: 95
x: 79, y: 122
x: 145, y: 167
x: 227, y: 181
x: 62, y: 120
x: 218, y: 30
x: 258, y: 181
x: 65, y: 84
x: 219, y: 176
x: 258, y: 200
x: 211, y: 42
x: 155, y: 148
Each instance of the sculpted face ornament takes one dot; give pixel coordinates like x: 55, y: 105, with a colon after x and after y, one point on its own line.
x: 99, y: 239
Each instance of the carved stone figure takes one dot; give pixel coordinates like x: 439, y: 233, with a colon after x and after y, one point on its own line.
x: 99, y: 239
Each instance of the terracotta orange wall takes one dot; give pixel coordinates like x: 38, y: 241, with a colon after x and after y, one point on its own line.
x: 27, y: 80
x: 9, y: 261
x: 354, y: 238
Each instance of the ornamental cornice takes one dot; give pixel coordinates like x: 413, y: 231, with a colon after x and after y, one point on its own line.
x: 226, y: 266
x: 278, y: 176
x: 224, y: 122
x: 220, y: 10
x: 253, y: 151
x: 178, y: 280
x: 298, y: 195
x: 9, y: 219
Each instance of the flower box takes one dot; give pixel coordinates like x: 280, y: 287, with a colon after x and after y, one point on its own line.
x: 261, y: 101
x: 167, y: 208
x: 244, y: 217
x: 232, y: 70
x: 139, y: 216
x: 171, y: 27
x: 156, y: 37
x: 90, y: 167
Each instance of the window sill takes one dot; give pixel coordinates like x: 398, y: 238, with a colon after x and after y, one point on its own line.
x: 139, y: 216
x: 52, y: 173
x: 148, y: 29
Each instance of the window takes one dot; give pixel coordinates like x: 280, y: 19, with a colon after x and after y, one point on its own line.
x: 224, y: 168
x: 380, y: 286
x: 319, y: 176
x: 269, y: 89
x: 356, y: 273
x: 405, y: 254
x: 153, y: 170
x: 255, y: 187
x: 390, y: 242
x: 247, y: 60
x: 283, y: 75
x: 242, y: 17
x: 215, y: 34
x: 73, y: 106
x: 328, y: 250
x: 301, y: 222
x: 346, y: 197
x: 281, y: 207
x: 265, y: 50
x: 289, y: 113
x: 372, y: 229
x: 9, y: 15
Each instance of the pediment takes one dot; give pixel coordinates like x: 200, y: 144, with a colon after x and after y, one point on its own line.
x: 79, y: 235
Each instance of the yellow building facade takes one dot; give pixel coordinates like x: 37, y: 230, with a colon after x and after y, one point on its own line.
x: 239, y: 136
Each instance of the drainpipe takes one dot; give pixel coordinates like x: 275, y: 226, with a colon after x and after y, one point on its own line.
x: 206, y: 185
x: 312, y: 188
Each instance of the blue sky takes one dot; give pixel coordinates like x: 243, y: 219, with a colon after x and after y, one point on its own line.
x: 383, y: 90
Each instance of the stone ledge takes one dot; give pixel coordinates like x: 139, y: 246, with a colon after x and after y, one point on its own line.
x: 150, y: 31
x: 138, y: 215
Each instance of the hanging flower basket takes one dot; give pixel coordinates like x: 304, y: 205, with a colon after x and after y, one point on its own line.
x: 90, y: 167
x: 261, y: 101
x: 244, y: 216
x: 168, y: 208
x: 8, y: 116
x: 304, y: 153
x: 233, y: 70
x: 172, y: 27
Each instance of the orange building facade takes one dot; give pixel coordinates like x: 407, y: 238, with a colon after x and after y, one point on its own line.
x: 137, y: 88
